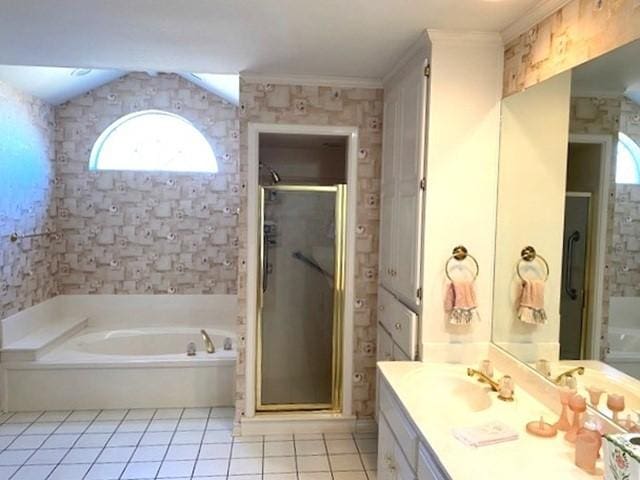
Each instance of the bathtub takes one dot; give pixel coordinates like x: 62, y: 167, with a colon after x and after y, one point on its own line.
x: 137, y: 362
x: 624, y: 349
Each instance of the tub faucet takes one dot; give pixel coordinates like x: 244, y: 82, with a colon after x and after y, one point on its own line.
x: 207, y: 342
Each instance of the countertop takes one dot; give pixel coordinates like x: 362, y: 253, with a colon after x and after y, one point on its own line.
x: 415, y: 385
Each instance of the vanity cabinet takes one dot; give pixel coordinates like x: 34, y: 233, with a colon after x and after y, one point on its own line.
x: 402, y: 183
x: 402, y: 454
x: 397, y: 329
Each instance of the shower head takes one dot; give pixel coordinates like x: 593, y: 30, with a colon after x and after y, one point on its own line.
x: 275, y: 177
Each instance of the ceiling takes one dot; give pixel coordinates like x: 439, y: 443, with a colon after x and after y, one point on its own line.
x: 56, y: 85
x: 357, y: 38
x: 616, y: 73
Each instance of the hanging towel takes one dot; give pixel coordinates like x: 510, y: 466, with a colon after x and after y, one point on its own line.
x: 460, y: 302
x: 531, y: 308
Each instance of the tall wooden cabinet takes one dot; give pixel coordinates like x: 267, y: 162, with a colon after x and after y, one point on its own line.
x: 402, y: 202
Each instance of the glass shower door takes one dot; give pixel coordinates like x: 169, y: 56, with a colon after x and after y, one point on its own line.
x: 302, y: 277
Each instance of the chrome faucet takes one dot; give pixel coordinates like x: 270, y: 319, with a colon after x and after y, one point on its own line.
x: 568, y: 374
x: 504, y: 387
x: 207, y: 342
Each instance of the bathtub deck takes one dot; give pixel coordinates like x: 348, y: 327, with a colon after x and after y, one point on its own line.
x: 176, y: 443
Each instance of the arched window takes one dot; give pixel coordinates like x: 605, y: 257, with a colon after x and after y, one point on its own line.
x: 153, y: 140
x: 627, y: 160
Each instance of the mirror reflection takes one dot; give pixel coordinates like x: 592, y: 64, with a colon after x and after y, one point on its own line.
x: 567, y: 288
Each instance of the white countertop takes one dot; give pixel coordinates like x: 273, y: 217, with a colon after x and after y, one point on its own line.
x: 529, y: 457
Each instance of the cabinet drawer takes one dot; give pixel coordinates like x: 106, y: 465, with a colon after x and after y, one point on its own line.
x: 403, y: 431
x: 403, y: 469
x: 399, y: 321
x: 399, y: 355
x: 385, y: 350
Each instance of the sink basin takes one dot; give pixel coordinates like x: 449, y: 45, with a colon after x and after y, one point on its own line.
x: 450, y: 389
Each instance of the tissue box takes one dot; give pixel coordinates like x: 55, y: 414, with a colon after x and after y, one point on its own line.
x: 622, y: 456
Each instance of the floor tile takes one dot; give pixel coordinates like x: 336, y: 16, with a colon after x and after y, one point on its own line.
x: 43, y: 428
x: 140, y: 414
x: 349, y: 476
x: 280, y: 476
x: 133, y: 426
x: 180, y: 468
x: 370, y: 461
x: 315, y: 476
x: 218, y: 436
x: 5, y: 441
x: 15, y: 457
x: 246, y: 450
x: 27, y: 441
x: 53, y: 416
x: 141, y: 470
x: 341, y: 446
x: 367, y: 445
x: 93, y: 440
x: 223, y: 412
x: 24, y: 417
x: 213, y: 451
x: 187, y: 438
x: 82, y: 455
x: 105, y: 471
x: 279, y: 465
x: 313, y: 463
x: 310, y: 447
x: 61, y: 440
x: 149, y: 453
x: 72, y: 427
x: 83, y: 415
x: 345, y: 463
x: 220, y: 424
x: 111, y: 415
x: 278, y: 437
x: 211, y: 467
x: 47, y: 456
x: 109, y: 426
x: 162, y: 425
x: 6, y: 471
x: 124, y: 439
x: 156, y: 438
x: 195, y: 413
x: 69, y: 472
x: 33, y: 472
x: 13, y: 428
x: 248, y: 439
x: 187, y: 424
x: 168, y: 414
x: 115, y: 454
x: 182, y: 452
x: 245, y: 466
x: 278, y: 449
x: 308, y: 436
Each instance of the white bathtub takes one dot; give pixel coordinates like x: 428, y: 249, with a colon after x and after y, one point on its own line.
x: 139, y: 363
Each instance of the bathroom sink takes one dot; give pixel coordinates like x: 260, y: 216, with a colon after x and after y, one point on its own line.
x: 450, y: 389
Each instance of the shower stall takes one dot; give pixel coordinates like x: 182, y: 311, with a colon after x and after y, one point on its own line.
x: 300, y: 298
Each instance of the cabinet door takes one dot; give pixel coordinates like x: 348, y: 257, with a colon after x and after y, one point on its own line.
x: 386, y: 451
x: 426, y: 466
x: 391, y: 136
x: 385, y: 346
x: 409, y: 196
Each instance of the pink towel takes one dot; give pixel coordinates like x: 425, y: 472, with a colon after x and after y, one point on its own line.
x: 460, y: 302
x: 531, y: 308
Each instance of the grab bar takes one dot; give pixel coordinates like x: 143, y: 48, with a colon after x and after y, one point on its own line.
x: 304, y: 259
x: 568, y: 271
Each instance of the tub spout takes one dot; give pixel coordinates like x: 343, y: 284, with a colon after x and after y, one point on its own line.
x: 207, y: 342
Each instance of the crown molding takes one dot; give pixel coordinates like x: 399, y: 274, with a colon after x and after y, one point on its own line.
x: 464, y: 36
x: 419, y: 47
x: 531, y: 18
x: 311, y: 80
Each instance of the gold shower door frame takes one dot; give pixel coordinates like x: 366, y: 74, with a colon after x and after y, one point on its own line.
x: 338, y: 299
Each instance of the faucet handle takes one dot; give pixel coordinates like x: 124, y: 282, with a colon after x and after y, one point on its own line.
x: 506, y: 388
x: 486, y: 367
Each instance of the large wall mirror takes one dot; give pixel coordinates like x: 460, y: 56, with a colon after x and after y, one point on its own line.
x: 567, y: 273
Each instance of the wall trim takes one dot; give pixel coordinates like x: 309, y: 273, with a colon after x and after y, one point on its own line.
x: 531, y: 18
x: 419, y: 47
x: 254, y: 130
x: 452, y: 36
x: 312, y: 80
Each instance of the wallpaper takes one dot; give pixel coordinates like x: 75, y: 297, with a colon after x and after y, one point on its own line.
x: 146, y: 232
x: 580, y: 31
x: 326, y: 106
x: 27, y: 267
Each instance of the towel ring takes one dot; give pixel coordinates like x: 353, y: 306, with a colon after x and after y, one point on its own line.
x: 461, y: 253
x: 529, y: 254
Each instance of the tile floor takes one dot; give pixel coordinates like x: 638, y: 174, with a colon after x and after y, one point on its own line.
x: 190, y: 443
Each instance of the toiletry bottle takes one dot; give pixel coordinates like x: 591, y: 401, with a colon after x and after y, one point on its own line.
x: 587, y: 450
x: 593, y: 428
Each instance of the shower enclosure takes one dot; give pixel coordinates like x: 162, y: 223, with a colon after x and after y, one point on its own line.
x: 301, y: 290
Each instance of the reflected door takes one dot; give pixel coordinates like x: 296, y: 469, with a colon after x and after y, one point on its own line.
x: 574, y: 269
x: 301, y: 292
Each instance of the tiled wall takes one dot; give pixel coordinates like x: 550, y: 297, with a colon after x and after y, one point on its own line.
x: 326, y: 106
x: 27, y: 268
x: 578, y: 32
x: 146, y: 232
